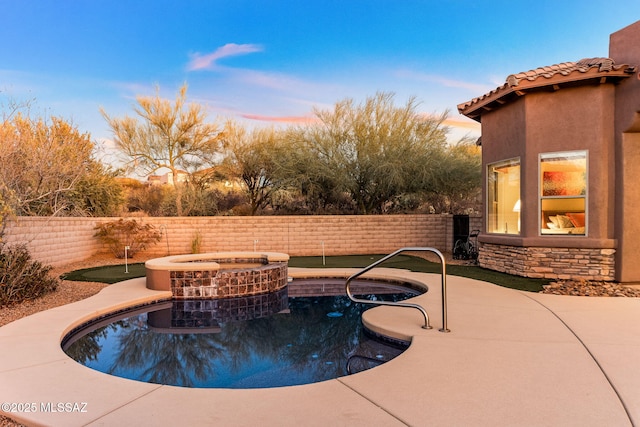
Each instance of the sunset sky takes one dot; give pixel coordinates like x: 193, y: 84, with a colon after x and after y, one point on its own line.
x: 270, y: 62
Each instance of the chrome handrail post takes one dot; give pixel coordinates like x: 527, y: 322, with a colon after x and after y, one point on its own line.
x: 401, y: 303
x: 443, y: 291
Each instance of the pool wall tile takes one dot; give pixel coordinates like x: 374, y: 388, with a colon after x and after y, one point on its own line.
x: 230, y: 282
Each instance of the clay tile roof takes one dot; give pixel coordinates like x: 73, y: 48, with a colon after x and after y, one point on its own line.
x: 556, y: 75
x: 565, y: 68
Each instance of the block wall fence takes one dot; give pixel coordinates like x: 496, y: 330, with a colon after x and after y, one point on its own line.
x: 60, y: 241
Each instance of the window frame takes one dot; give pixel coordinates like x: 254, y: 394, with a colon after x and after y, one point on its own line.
x: 582, y: 154
x: 493, y: 200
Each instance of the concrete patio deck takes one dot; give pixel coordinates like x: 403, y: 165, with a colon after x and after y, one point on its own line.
x: 511, y: 358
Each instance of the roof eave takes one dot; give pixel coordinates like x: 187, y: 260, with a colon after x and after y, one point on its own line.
x: 505, y: 93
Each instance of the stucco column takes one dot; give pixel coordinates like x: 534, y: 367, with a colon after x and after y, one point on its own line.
x: 628, y: 205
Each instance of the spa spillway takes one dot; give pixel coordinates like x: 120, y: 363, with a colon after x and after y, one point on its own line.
x: 218, y: 274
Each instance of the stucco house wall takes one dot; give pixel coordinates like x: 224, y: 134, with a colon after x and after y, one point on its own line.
x: 624, y: 47
x: 591, y: 105
x: 572, y: 119
x: 580, y: 118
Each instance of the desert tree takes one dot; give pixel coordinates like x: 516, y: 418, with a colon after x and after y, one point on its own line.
x: 45, y: 164
x: 97, y: 193
x: 167, y: 135
x: 374, y: 150
x: 255, y: 159
x: 455, y: 186
x: 314, y: 174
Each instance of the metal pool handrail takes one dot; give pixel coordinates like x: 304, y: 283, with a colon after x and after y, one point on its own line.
x: 366, y: 358
x: 402, y: 303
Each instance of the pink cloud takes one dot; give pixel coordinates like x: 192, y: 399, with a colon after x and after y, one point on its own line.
x: 464, y: 124
x: 208, y: 61
x: 281, y: 119
x: 461, y: 122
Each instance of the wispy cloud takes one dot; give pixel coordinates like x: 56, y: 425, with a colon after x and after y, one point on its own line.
x: 208, y: 61
x: 131, y: 90
x: 444, y: 81
x: 280, y: 82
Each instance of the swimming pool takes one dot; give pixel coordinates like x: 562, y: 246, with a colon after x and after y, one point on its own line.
x: 278, y: 340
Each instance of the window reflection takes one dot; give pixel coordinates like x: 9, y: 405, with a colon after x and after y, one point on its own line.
x: 503, y: 193
x: 563, y: 192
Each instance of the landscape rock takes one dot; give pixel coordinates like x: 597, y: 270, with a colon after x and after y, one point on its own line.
x: 590, y: 289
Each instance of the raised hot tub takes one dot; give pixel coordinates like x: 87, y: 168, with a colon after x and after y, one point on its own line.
x: 218, y: 274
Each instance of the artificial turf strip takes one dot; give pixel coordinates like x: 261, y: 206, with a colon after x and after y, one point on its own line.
x: 116, y: 273
x: 106, y: 274
x: 421, y: 265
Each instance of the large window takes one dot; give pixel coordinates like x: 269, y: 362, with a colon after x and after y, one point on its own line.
x: 563, y: 193
x: 503, y: 194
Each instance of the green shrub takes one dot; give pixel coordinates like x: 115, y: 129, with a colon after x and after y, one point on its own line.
x: 196, y: 243
x: 118, y: 234
x: 21, y: 278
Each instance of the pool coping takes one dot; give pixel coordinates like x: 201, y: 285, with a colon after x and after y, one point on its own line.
x: 511, y: 358
x: 185, y: 262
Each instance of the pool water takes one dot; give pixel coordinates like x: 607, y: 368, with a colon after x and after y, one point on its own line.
x: 308, y: 339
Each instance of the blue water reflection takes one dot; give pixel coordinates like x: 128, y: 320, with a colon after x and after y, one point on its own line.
x: 298, y: 341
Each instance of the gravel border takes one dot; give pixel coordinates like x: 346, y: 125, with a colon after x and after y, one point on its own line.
x: 591, y: 289
x: 68, y: 291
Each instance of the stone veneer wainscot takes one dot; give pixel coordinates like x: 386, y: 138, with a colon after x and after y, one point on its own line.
x: 549, y: 263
